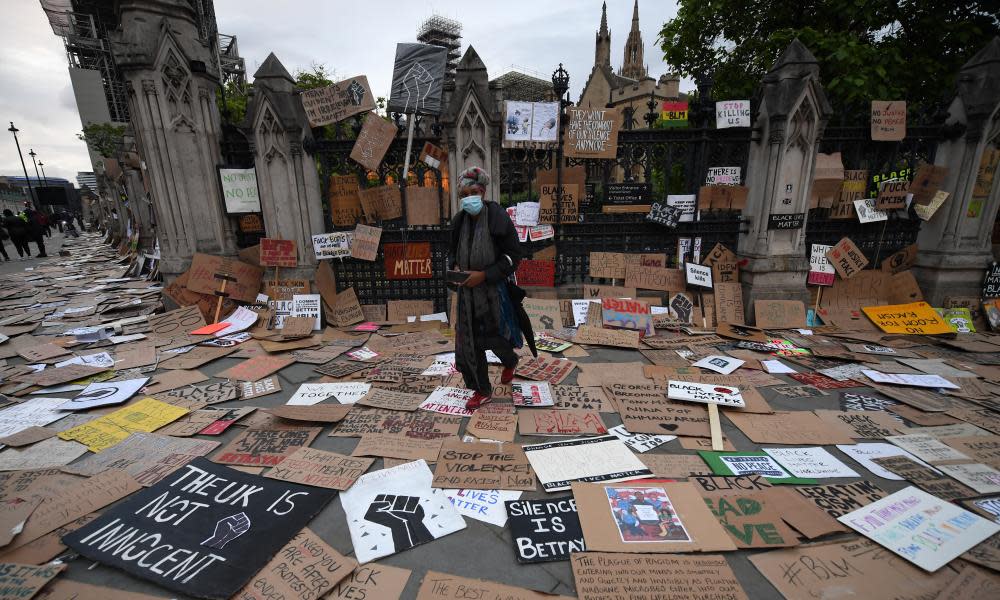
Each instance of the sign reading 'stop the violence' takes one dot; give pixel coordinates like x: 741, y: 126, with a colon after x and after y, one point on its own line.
x: 203, y: 531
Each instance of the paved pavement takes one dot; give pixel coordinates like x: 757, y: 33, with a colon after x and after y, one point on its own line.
x: 52, y: 247
x: 481, y: 550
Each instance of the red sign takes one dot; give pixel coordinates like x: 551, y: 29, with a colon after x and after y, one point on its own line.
x: 539, y: 273
x: 277, y: 253
x: 408, y: 261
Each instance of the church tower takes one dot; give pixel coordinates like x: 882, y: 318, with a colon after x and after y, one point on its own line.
x: 602, y: 54
x: 632, y: 66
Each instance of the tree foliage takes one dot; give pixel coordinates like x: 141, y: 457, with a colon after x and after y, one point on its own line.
x: 867, y: 49
x: 103, y: 138
x: 233, y: 103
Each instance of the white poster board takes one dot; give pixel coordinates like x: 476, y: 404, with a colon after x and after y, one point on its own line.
x: 239, y: 190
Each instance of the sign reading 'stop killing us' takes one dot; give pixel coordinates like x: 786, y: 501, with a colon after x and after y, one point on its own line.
x: 204, y: 530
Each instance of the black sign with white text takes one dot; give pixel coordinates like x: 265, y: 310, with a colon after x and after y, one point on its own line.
x: 664, y: 214
x: 786, y: 221
x: 545, y: 530
x: 623, y: 194
x: 991, y: 284
x: 204, y: 530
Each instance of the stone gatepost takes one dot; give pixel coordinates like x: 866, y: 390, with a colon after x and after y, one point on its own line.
x: 138, y: 201
x: 471, y: 120
x: 172, y: 78
x: 791, y: 112
x: 290, y: 196
x: 955, y: 245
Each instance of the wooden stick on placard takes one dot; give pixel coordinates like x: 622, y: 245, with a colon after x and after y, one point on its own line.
x: 716, y: 427
x: 704, y: 319
x: 221, y: 293
x: 819, y: 299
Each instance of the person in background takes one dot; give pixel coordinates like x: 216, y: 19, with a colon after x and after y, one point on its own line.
x: 17, y: 229
x: 43, y: 220
x: 490, y: 316
x: 35, y: 229
x: 4, y: 236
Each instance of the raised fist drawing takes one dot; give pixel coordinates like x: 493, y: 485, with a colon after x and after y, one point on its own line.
x: 417, y: 84
x: 227, y: 530
x: 404, y: 517
x: 682, y: 307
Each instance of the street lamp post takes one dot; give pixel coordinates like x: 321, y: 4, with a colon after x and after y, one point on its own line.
x: 32, y: 154
x: 45, y: 179
x: 560, y: 85
x: 31, y: 190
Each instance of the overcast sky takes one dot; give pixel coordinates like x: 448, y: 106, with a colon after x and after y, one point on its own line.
x: 348, y: 37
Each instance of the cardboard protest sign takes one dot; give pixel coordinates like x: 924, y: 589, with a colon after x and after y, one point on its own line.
x: 418, y: 424
x: 545, y: 530
x: 423, y: 205
x: 560, y: 422
x: 627, y: 314
x: 381, y: 203
x: 603, y: 458
x: 364, y: 243
x: 782, y: 427
x: 751, y: 519
x: 204, y: 267
x: 400, y: 503
x: 499, y: 426
x: 644, y: 409
x: 750, y: 463
x: 546, y: 369
x: 256, y: 368
x: 418, y: 75
x: 397, y: 446
x: 828, y: 179
x: 277, y: 253
x: 536, y: 273
x: 926, y: 183
x: 732, y: 113
x: 810, y: 463
x: 888, y: 120
x: 592, y: 133
x: 441, y: 586
x: 410, y: 260
x: 653, y: 517
x: 841, y: 498
x: 730, y: 197
x: 373, y: 141
x: 147, y: 457
x: 902, y: 522
x: 917, y: 318
x: 265, y: 447
x: 225, y: 535
x: 332, y: 245
x: 609, y: 265
x: 337, y: 101
x: 891, y: 195
x: 847, y: 258
x: 779, y: 314
x: 239, y: 190
x: 305, y: 568
x: 146, y: 415
x: 347, y: 392
x: 900, y: 261
x: 543, y: 313
x: 392, y: 400
x: 664, y: 214
x: 793, y: 572
x: 345, y: 202
x: 600, y: 576
x: 24, y: 581
x: 654, y: 278
x: 483, y: 466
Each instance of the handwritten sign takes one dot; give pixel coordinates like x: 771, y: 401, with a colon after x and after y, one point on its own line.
x: 545, y: 530
x: 483, y: 466
x: 306, y: 568
x: 224, y: 536
x: 608, y: 265
x: 332, y: 245
x: 627, y: 314
x: 373, y: 141
x: 664, y: 214
x: 568, y: 203
x: 345, y: 203
x: 592, y: 133
x: 338, y: 101
x: 381, y: 203
x: 732, y: 113
x: 654, y: 278
x: 410, y: 260
x: 821, y: 272
x: 698, y: 275
x: 277, y: 253
x: 786, y: 221
x: 892, y: 194
x: 536, y: 273
x: 239, y: 190
x: 847, y: 258
x: 888, y: 121
x: 201, y: 277
x: 364, y: 243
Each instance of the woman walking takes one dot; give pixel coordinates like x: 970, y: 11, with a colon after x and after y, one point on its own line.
x: 490, y: 316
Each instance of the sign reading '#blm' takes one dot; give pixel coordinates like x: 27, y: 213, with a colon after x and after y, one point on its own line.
x: 204, y: 530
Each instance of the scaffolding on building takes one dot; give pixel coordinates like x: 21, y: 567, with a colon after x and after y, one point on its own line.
x: 516, y: 85
x: 446, y: 33
x: 82, y: 24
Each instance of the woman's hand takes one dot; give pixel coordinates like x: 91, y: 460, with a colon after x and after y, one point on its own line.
x: 475, y: 278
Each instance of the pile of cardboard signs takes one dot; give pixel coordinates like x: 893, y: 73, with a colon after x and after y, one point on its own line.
x: 653, y: 439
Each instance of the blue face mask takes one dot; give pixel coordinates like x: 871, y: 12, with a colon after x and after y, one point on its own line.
x: 472, y: 204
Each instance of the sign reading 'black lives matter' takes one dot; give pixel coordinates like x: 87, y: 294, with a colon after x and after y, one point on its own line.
x: 203, y: 531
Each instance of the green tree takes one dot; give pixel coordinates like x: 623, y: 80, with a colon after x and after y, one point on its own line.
x: 103, y: 138
x: 234, y: 108
x: 867, y: 49
x: 314, y: 77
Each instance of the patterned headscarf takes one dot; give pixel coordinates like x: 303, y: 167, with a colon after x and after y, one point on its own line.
x: 474, y: 177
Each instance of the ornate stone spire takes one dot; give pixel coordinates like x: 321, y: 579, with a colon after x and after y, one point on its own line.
x: 632, y: 65
x: 602, y: 51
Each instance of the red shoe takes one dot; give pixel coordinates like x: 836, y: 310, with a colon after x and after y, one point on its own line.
x: 478, y: 399
x: 508, y: 375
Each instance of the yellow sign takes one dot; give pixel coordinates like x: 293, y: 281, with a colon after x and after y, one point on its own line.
x: 916, y: 318
x: 147, y: 415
